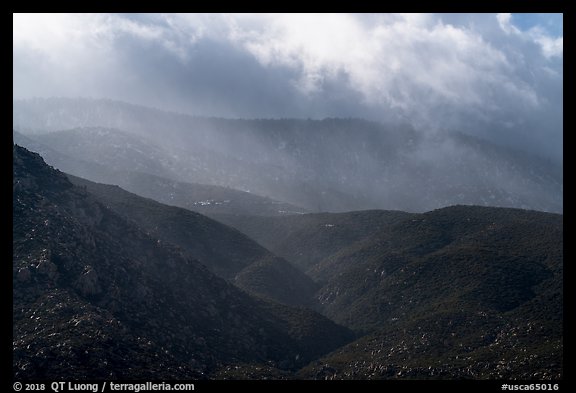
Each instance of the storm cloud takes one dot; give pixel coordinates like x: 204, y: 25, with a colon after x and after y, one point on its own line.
x: 497, y: 76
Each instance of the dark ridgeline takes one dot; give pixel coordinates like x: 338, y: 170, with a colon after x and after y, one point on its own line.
x: 95, y: 296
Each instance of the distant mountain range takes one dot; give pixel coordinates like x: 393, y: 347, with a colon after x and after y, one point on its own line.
x: 108, y: 284
x: 202, y: 198
x: 332, y: 165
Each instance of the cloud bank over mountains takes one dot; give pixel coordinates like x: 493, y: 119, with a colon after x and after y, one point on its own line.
x: 498, y: 76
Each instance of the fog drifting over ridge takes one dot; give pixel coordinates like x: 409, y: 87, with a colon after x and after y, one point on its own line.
x: 494, y: 76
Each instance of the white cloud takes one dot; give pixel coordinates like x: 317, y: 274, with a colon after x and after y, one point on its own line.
x: 505, y: 22
x: 437, y: 71
x: 401, y: 61
x: 84, y: 37
x: 321, y: 45
x: 549, y: 45
x: 60, y: 36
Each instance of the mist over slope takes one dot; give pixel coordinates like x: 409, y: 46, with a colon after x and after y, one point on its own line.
x: 202, y: 198
x: 228, y: 253
x: 97, y: 296
x: 320, y: 165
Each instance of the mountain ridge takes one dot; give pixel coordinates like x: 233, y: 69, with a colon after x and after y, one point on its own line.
x: 322, y: 165
x: 95, y: 296
x: 227, y: 252
x: 202, y: 198
x: 466, y: 292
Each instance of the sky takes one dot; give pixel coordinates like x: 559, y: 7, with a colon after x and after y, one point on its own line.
x: 496, y: 76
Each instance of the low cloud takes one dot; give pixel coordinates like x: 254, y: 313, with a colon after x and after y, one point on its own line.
x: 483, y: 74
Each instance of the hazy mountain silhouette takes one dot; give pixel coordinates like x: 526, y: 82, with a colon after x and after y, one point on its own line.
x: 202, y: 198
x: 321, y: 165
